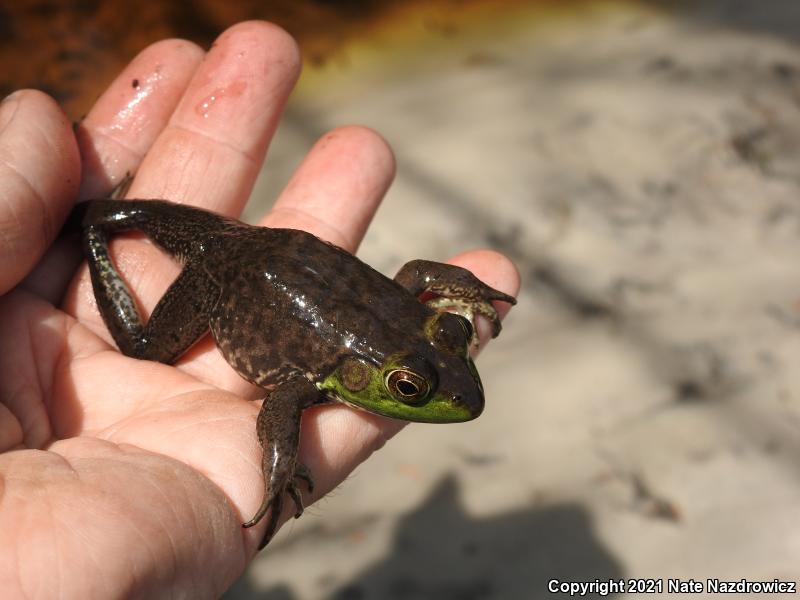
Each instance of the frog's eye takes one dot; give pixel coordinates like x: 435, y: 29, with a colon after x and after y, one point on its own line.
x: 452, y: 333
x: 407, y: 386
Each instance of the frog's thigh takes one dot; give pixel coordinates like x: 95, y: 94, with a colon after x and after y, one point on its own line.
x: 180, y: 318
x: 174, y: 227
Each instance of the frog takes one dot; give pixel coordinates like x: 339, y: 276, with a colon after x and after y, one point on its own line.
x: 301, y: 318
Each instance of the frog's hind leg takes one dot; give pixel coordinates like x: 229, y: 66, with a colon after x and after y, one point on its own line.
x: 182, y: 315
x: 456, y: 288
x: 179, y: 319
x: 278, y: 428
x: 177, y: 228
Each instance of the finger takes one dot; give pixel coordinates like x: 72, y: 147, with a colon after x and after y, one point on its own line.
x: 114, y: 137
x: 338, y: 187
x: 39, y: 174
x: 212, y: 150
x: 126, y: 120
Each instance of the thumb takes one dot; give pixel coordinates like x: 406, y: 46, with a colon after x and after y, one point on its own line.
x: 39, y: 177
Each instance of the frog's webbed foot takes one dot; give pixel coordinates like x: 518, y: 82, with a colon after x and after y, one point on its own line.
x: 457, y: 290
x: 278, y: 428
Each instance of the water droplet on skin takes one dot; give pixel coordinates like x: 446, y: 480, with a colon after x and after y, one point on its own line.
x: 204, y: 107
x: 131, y: 118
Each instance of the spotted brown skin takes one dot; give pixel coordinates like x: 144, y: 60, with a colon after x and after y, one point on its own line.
x: 299, y: 317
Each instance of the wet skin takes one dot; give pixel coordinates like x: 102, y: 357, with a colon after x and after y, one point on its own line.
x: 299, y: 317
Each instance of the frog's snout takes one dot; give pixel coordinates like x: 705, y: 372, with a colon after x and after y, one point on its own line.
x: 461, y: 389
x: 472, y: 401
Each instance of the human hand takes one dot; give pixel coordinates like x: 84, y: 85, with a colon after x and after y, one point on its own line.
x: 130, y: 478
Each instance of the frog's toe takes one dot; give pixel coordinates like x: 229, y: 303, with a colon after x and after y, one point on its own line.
x: 493, y: 294
x: 297, y: 497
x: 300, y: 472
x: 484, y: 306
x: 303, y: 472
x: 273, y: 503
x: 486, y: 309
x: 268, y: 503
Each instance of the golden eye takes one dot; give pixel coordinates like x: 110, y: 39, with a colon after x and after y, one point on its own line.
x: 407, y: 386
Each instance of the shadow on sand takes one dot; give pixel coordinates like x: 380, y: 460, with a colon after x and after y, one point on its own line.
x: 439, y: 551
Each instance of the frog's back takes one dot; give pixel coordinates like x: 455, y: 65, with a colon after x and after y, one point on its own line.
x: 293, y: 303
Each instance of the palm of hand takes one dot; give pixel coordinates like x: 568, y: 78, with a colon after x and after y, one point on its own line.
x: 133, y: 450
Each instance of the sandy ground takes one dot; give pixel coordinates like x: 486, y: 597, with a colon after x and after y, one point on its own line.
x: 640, y: 163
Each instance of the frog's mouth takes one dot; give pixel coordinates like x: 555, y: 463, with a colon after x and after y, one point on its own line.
x: 342, y: 400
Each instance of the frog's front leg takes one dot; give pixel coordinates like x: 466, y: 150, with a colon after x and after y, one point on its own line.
x: 179, y: 319
x: 278, y: 428
x: 456, y: 289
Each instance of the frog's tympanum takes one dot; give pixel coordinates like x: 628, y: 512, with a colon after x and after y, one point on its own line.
x: 301, y: 318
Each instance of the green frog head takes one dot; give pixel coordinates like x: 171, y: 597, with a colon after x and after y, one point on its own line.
x: 435, y: 381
